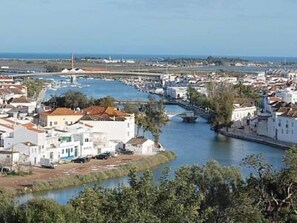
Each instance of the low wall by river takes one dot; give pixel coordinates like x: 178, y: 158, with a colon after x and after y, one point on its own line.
x: 143, y: 164
x: 261, y: 140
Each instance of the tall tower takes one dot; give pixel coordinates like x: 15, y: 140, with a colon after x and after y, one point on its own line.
x: 72, y: 62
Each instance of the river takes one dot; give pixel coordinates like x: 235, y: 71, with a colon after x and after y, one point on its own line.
x: 193, y: 143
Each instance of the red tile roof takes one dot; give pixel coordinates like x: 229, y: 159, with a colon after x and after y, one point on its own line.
x: 274, y: 99
x: 20, y: 100
x: 61, y: 111
x: 104, y: 111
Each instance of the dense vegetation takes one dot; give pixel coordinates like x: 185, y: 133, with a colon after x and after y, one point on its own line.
x: 76, y: 99
x: 218, y: 61
x: 34, y: 86
x: 220, y: 100
x: 149, y: 117
x: 209, y: 193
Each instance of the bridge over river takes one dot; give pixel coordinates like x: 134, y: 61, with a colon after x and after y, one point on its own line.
x: 197, y: 111
x: 91, y: 73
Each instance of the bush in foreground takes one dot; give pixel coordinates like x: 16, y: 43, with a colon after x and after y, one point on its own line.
x: 197, y: 194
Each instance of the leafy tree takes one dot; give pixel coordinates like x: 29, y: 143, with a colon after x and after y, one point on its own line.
x: 52, y: 68
x: 246, y: 91
x: 155, y: 118
x: 75, y: 99
x: 47, y: 211
x: 34, y: 87
x: 192, y: 94
x: 221, y: 103
x: 275, y: 193
x: 197, y: 194
x: 7, y: 208
x: 106, y: 102
x: 139, y: 118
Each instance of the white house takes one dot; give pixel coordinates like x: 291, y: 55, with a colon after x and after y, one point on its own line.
x: 177, y: 92
x: 241, y: 113
x: 116, y: 124
x: 287, y: 95
x: 23, y: 102
x: 140, y: 145
x: 283, y: 125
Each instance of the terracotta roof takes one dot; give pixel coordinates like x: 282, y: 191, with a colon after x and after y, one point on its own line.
x: 5, y: 77
x: 94, y: 110
x: 28, y: 125
x: 20, y: 100
x: 85, y: 124
x: 6, y: 126
x: 244, y: 102
x: 61, y: 111
x: 290, y: 112
x: 101, y: 111
x: 10, y: 121
x: 35, y: 130
x: 137, y: 141
x: 274, y: 99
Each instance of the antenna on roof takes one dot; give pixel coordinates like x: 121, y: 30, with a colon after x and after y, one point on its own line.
x: 285, y: 63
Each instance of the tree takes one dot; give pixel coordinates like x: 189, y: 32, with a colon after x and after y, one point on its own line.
x: 196, y: 194
x: 44, y: 210
x: 75, y: 99
x: 191, y: 94
x: 139, y: 118
x: 106, y: 102
x: 34, y: 86
x: 221, y: 103
x: 275, y: 193
x: 155, y: 118
x: 246, y: 91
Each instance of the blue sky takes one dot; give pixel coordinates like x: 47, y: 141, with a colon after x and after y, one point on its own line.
x: 188, y: 27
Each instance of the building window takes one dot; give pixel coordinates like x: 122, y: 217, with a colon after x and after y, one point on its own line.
x: 128, y: 125
x: 282, y: 131
x: 56, y: 123
x: 86, y: 139
x: 62, y: 151
x: 66, y: 122
x: 51, y: 123
x: 72, y: 150
x: 292, y: 124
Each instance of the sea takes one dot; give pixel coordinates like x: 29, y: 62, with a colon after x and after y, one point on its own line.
x: 51, y: 56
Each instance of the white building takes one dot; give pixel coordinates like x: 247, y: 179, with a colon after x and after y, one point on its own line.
x: 177, y: 92
x: 283, y: 125
x: 241, y: 113
x: 116, y: 124
x: 140, y: 145
x: 287, y: 95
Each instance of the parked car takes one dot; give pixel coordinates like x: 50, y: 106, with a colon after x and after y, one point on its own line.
x: 103, y: 156
x: 4, y: 170
x: 126, y: 151
x: 81, y: 160
x: 47, y: 163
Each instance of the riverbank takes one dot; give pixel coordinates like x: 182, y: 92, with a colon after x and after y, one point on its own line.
x: 251, y: 136
x: 78, y: 174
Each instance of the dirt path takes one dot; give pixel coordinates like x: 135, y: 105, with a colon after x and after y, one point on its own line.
x: 69, y: 169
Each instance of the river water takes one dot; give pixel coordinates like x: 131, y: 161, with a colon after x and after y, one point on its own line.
x: 193, y: 143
